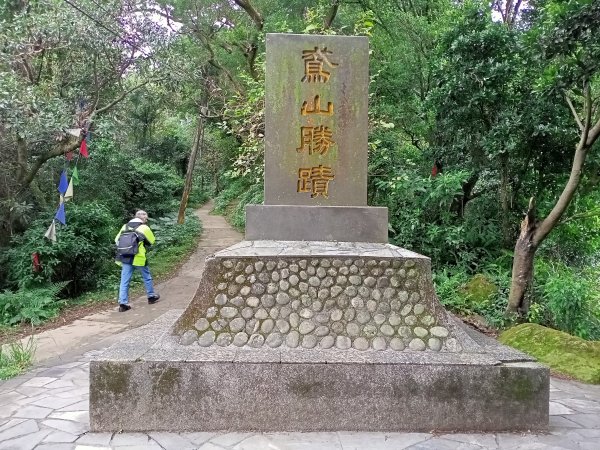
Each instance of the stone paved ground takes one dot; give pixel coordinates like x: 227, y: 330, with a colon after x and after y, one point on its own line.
x: 47, y: 409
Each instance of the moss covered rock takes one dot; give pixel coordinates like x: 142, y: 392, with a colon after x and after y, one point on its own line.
x: 564, y: 353
x: 478, y: 290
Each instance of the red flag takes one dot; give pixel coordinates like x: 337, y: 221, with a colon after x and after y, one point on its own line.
x: 69, y: 156
x: 35, y: 259
x: 434, y: 170
x: 83, y: 149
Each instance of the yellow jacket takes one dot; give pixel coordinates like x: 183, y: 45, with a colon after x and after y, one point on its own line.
x: 140, y: 258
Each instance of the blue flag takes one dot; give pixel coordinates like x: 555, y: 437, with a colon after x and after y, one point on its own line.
x: 60, y: 214
x: 63, y: 183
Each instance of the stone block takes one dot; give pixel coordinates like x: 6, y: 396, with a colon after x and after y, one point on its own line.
x: 315, y: 396
x: 317, y: 223
x: 292, y: 139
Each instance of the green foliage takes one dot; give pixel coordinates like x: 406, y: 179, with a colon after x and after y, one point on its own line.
x: 567, y: 299
x: 564, y: 353
x: 253, y: 196
x: 230, y: 194
x: 198, y: 197
x: 133, y: 182
x: 174, y: 242
x: 448, y: 288
x: 484, y: 293
x: 421, y: 218
x: 152, y: 187
x: 170, y: 233
x: 83, y: 250
x: 479, y: 290
x: 16, y: 358
x: 30, y: 305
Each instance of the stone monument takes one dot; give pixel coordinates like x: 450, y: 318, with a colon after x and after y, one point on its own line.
x: 315, y: 322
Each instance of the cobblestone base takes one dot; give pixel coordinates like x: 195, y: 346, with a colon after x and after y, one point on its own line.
x: 319, y: 295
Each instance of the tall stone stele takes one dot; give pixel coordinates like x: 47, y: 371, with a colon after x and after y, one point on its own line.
x: 315, y: 322
x: 316, y: 126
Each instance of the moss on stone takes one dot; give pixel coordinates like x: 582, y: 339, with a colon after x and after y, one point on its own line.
x: 562, y: 352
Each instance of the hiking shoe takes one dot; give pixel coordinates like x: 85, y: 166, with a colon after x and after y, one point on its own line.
x: 153, y: 299
x: 123, y: 307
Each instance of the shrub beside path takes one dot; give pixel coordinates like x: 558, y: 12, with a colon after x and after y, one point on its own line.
x: 47, y: 408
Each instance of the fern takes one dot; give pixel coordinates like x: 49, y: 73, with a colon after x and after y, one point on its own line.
x: 31, y: 305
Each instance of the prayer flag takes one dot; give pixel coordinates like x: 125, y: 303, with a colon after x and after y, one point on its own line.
x: 74, y: 131
x: 69, y: 156
x: 35, y: 259
x: 83, y: 149
x: 69, y: 193
x: 51, y: 233
x: 75, y: 177
x: 63, y: 184
x: 60, y: 214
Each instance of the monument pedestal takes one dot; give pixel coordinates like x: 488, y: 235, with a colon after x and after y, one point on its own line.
x: 315, y: 336
x: 317, y: 223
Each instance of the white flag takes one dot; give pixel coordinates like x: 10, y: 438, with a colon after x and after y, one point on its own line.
x: 51, y: 233
x: 74, y: 131
x: 69, y: 193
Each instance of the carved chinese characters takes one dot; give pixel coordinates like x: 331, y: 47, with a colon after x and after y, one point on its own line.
x: 316, y: 139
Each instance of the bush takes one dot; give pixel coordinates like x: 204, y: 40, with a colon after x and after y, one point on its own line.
x: 81, y: 254
x: 199, y: 196
x: 152, y: 187
x: 30, y: 305
x: 169, y: 233
x: 484, y: 294
x: 567, y: 299
x: 230, y: 194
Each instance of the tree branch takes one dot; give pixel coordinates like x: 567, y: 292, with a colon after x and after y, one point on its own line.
x: 253, y: 13
x: 575, y: 115
x: 252, y: 48
x: 121, y: 98
x: 570, y: 188
x: 585, y: 215
x: 39, y: 162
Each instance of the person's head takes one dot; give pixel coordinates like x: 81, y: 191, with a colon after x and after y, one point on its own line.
x: 142, y: 215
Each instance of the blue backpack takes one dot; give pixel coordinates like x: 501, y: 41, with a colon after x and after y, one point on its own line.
x: 129, y: 240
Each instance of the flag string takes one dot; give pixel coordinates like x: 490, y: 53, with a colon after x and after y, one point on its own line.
x: 65, y: 186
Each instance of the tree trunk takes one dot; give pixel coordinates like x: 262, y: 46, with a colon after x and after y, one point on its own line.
x: 189, y: 177
x: 522, y: 271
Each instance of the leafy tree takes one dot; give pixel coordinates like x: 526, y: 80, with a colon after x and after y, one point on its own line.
x: 567, y: 33
x: 63, y: 65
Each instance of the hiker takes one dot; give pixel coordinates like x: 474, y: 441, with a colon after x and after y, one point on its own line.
x: 132, y: 242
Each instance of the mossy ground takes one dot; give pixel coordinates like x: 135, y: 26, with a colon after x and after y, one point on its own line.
x: 562, y: 352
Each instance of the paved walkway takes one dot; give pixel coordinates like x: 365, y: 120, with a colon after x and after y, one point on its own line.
x: 47, y: 408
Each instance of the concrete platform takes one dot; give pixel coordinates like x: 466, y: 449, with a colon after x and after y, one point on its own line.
x: 158, y: 384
